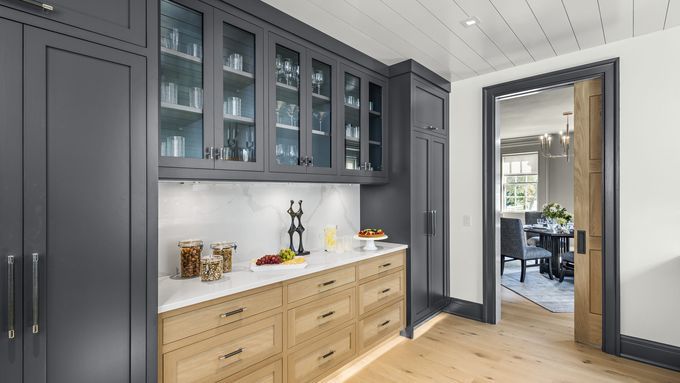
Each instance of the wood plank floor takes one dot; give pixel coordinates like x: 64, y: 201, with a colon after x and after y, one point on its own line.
x: 530, y: 345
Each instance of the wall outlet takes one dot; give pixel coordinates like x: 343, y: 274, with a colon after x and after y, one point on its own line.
x: 466, y: 220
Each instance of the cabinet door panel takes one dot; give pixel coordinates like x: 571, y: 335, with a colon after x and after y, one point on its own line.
x: 419, y: 260
x: 430, y: 109
x: 121, y: 19
x: 85, y: 211
x: 377, y: 128
x: 10, y: 201
x: 438, y: 191
x: 353, y: 120
x: 321, y: 115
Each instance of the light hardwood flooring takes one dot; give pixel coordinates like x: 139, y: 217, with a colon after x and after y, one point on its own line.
x: 530, y: 345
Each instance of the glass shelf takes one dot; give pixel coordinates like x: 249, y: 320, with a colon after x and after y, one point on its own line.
x: 287, y: 75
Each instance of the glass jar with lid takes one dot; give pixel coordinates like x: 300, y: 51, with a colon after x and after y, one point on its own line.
x: 211, y: 268
x: 226, y: 251
x: 190, y: 257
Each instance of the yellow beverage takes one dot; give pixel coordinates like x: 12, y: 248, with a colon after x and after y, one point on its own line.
x: 330, y: 234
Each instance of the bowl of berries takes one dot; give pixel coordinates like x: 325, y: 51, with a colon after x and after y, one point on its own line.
x: 285, y: 259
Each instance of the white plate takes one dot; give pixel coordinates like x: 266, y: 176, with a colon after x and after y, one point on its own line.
x: 356, y: 236
x: 279, y: 267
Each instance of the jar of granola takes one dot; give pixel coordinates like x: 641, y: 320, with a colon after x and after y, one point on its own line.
x: 190, y: 257
x: 226, y: 251
x: 211, y: 268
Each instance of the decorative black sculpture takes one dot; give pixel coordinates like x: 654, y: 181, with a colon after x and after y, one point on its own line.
x: 296, y: 229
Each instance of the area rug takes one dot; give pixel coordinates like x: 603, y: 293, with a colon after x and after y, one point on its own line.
x: 538, y: 288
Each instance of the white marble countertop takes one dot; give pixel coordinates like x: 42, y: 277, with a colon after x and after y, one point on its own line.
x: 177, y: 293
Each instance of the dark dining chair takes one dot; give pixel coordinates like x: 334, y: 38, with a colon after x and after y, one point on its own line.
x: 566, y: 263
x: 531, y: 218
x: 514, y: 246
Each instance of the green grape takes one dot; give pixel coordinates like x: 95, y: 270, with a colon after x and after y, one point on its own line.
x: 286, y: 254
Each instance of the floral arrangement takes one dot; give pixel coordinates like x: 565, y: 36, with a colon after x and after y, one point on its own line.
x: 556, y: 212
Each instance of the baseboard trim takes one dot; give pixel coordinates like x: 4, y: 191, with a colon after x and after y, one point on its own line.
x: 647, y: 351
x: 465, y: 309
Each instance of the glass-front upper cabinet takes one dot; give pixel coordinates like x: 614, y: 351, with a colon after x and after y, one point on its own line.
x: 320, y: 137
x: 185, y: 128
x: 354, y: 158
x: 376, y: 127
x: 239, y: 104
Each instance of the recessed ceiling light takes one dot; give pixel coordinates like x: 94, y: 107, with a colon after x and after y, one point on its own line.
x: 470, y: 21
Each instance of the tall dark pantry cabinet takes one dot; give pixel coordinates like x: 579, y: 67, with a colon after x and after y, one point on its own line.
x: 413, y: 208
x: 77, y: 278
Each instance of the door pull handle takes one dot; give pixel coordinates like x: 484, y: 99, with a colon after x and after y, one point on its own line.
x: 10, y: 297
x: 36, y: 294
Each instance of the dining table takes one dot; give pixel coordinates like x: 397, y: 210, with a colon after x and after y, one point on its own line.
x: 556, y: 242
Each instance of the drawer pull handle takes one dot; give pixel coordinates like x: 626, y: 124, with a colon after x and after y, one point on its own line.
x: 386, y: 265
x: 385, y: 323
x: 326, y: 283
x: 233, y: 353
x: 386, y: 290
x: 326, y: 315
x: 233, y: 312
x: 326, y: 355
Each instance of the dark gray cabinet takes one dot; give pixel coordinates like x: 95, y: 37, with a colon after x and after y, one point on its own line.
x: 76, y: 176
x: 120, y: 19
x: 413, y: 207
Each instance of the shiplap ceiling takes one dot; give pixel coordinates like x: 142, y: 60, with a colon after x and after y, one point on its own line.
x: 510, y: 32
x: 536, y: 114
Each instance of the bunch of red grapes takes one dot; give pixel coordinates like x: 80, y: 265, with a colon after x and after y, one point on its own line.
x: 269, y: 260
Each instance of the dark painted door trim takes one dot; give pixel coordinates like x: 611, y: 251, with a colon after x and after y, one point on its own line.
x: 608, y: 70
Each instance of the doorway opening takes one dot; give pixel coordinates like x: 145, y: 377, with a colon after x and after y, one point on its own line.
x: 515, y: 184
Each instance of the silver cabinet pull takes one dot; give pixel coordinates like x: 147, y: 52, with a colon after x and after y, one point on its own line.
x: 229, y: 355
x: 310, y: 161
x: 430, y: 127
x: 434, y: 222
x: 10, y: 297
x: 233, y: 312
x: 36, y: 296
x: 44, y: 6
x: 210, y: 153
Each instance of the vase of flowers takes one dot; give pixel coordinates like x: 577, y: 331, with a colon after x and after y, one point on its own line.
x: 556, y: 215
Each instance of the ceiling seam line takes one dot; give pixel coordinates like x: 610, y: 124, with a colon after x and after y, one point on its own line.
x: 512, y: 30
x: 570, y: 24
x: 428, y: 36
x: 541, y: 26
x: 599, y: 10
x: 456, y: 34
x: 665, y: 19
x: 411, y: 44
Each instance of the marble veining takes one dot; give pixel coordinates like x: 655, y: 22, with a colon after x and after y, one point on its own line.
x: 253, y: 214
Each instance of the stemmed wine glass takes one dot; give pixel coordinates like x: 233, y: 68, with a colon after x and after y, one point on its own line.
x: 292, y: 111
x: 288, y: 70
x: 317, y: 80
x: 320, y: 116
x: 278, y: 64
x: 280, y: 105
x: 250, y: 143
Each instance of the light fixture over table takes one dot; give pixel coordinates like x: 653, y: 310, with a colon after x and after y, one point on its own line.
x: 546, y: 142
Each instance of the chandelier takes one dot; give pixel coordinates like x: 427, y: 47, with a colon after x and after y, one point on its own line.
x: 546, y: 142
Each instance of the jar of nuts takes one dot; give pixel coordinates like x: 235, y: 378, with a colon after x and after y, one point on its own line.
x: 190, y: 258
x: 226, y: 251
x: 211, y: 268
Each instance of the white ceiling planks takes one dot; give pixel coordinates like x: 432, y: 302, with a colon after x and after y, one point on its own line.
x: 584, y: 16
x: 649, y: 15
x: 554, y: 21
x: 519, y: 17
x: 617, y: 19
x: 673, y: 15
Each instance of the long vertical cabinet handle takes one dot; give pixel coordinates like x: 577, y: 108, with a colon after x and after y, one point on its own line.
x: 10, y: 297
x: 36, y: 296
x: 433, y: 215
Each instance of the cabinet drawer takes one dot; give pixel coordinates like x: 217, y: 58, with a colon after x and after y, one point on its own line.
x: 196, y: 321
x: 381, y: 325
x: 323, y: 356
x: 381, y: 264
x: 225, y: 354
x: 380, y: 291
x: 316, y: 317
x: 320, y: 283
x: 271, y: 373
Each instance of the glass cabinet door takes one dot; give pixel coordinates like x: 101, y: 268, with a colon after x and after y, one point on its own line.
x: 354, y: 160
x: 238, y: 63
x: 321, y: 154
x: 376, y: 130
x: 182, y: 91
x: 286, y: 138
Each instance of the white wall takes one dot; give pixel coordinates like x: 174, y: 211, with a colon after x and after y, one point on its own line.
x: 649, y: 179
x: 250, y: 213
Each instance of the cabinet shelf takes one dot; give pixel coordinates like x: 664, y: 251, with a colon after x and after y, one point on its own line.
x: 287, y: 87
x: 320, y: 133
x: 320, y: 97
x: 183, y: 56
x: 352, y: 107
x: 228, y: 69
x: 352, y: 139
x: 181, y: 108
x: 241, y: 119
x: 374, y: 113
x: 375, y: 143
x: 288, y: 127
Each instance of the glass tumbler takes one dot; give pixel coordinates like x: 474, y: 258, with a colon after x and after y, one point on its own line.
x: 196, y: 97
x: 233, y: 106
x: 236, y: 61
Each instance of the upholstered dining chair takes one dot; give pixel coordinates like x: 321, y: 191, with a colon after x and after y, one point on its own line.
x: 566, y: 263
x: 531, y: 218
x: 514, y: 246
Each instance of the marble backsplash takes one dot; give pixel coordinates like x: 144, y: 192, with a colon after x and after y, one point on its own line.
x: 253, y: 214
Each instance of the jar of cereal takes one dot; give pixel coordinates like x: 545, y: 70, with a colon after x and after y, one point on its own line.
x: 226, y: 251
x: 190, y: 257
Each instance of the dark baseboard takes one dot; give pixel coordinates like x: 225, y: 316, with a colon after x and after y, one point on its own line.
x: 647, y: 351
x: 465, y: 309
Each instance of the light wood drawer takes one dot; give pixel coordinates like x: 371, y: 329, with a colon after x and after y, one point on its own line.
x: 320, y: 283
x: 376, y: 293
x: 194, y: 322
x: 381, y: 264
x: 323, y: 356
x: 313, y: 318
x: 225, y: 354
x: 271, y: 373
x: 381, y: 325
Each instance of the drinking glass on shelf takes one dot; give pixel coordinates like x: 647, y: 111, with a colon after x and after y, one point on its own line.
x: 196, y: 97
x: 355, y: 132
x: 348, y: 130
x: 292, y: 154
x: 279, y: 153
x: 280, y: 106
x: 195, y: 50
x: 296, y: 75
x: 233, y: 106
x: 292, y: 111
x: 278, y: 65
x: 317, y: 80
x: 170, y: 38
x: 174, y: 146
x: 320, y: 116
x: 288, y: 70
x: 169, y: 93
x: 236, y: 61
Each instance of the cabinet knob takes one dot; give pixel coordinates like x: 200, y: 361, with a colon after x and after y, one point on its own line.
x: 432, y: 127
x: 210, y: 153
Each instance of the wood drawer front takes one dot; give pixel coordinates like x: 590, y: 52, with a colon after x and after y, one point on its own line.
x: 225, y: 354
x: 375, y: 293
x: 320, y: 283
x: 380, y: 325
x: 196, y: 321
x: 381, y: 264
x: 323, y: 356
x: 271, y: 373
x: 313, y: 318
